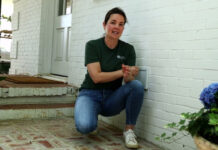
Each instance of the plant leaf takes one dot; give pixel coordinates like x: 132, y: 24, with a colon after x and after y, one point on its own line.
x: 163, y: 134
x: 181, y: 122
x: 182, y: 128
x: 157, y: 138
x: 174, y: 133
x: 171, y: 125
x: 213, y: 119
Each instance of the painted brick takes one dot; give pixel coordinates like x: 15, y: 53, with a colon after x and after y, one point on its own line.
x: 176, y: 39
x: 28, y: 37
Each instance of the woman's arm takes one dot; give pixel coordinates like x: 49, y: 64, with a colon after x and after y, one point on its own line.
x: 97, y: 76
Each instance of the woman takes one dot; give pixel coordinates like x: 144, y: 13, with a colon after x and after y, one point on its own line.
x: 109, y: 61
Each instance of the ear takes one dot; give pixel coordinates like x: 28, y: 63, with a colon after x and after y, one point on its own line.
x: 104, y: 25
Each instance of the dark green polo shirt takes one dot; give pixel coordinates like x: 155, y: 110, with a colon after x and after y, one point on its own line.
x: 109, y: 59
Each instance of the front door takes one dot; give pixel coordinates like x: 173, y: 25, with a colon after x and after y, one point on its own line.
x: 62, y: 33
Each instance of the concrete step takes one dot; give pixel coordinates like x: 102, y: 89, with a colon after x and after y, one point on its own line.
x: 36, y: 100
x: 37, y: 113
x: 32, y: 86
x: 40, y: 102
x: 36, y: 91
x: 36, y: 107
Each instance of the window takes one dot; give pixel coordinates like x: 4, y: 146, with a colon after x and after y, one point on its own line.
x: 65, y: 7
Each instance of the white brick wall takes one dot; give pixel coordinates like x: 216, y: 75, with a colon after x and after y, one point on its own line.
x: 27, y: 35
x: 177, y: 39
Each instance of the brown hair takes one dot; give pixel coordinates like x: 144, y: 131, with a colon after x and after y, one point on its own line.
x: 115, y: 10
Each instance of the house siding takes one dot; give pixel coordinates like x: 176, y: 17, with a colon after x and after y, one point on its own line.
x: 176, y: 39
x: 27, y: 36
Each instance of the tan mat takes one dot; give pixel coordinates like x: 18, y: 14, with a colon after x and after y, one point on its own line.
x: 31, y: 80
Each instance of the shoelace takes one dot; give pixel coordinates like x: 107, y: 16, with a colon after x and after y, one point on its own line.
x: 131, y: 136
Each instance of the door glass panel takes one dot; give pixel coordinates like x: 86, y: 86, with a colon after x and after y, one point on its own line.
x: 68, y: 7
x: 65, y: 7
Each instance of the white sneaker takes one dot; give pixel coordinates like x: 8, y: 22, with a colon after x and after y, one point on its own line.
x: 130, y: 139
x: 95, y: 132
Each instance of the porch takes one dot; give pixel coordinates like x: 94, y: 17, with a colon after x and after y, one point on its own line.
x: 60, y: 134
x: 40, y: 116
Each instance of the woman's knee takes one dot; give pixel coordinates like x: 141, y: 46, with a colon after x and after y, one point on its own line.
x: 85, y: 120
x: 136, y: 85
x: 85, y: 126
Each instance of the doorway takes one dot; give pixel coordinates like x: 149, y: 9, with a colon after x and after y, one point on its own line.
x: 62, y: 37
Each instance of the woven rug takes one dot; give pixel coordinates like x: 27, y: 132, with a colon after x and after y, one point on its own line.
x: 30, y: 80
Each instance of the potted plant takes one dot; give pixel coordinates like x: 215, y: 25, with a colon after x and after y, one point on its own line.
x: 8, y: 18
x: 201, y: 125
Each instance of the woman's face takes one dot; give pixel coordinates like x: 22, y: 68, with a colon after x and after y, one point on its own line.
x: 114, y: 27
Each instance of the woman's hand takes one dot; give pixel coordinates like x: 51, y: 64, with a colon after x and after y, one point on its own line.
x: 129, y: 72
x: 134, y: 70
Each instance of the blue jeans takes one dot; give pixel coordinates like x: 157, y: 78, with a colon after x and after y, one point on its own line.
x: 91, y: 103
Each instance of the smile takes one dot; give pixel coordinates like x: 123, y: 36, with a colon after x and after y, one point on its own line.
x: 115, y: 32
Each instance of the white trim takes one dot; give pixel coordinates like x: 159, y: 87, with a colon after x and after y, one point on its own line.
x: 143, y: 76
x: 46, y: 37
x: 15, y: 21
x: 14, y: 50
